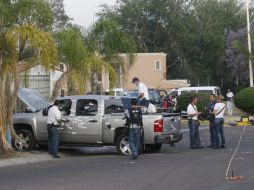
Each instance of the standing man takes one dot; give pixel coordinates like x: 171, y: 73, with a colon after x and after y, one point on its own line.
x: 218, y: 111
x: 143, y: 95
x: 134, y: 123
x: 230, y: 96
x: 54, y: 119
x: 211, y: 118
x: 194, y: 124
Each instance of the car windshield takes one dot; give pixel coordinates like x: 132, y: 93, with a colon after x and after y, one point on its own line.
x: 32, y: 99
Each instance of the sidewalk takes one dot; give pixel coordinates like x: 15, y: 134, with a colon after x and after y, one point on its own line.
x: 22, y: 158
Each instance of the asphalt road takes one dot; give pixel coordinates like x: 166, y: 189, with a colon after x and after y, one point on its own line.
x: 177, y: 168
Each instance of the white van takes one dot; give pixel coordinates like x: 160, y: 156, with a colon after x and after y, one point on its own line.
x: 117, y: 92
x: 197, y: 89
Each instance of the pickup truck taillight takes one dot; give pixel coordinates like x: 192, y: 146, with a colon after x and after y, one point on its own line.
x: 158, y: 125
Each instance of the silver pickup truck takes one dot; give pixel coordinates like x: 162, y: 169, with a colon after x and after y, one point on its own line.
x: 91, y: 121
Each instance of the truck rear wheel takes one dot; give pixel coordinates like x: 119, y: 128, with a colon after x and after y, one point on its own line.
x: 28, y: 141
x: 122, y: 145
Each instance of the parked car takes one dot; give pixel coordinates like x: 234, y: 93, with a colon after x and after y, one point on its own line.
x: 92, y: 120
x: 196, y: 89
x: 117, y: 92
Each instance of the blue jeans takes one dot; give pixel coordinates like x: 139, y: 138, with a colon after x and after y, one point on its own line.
x: 212, y: 132
x: 8, y: 135
x: 52, y: 139
x: 144, y: 102
x: 194, y: 133
x: 134, y: 140
x: 219, y: 132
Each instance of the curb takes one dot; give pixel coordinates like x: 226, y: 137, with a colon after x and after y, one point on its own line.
x: 28, y: 158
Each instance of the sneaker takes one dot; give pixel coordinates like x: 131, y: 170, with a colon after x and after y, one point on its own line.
x: 210, y: 146
x: 56, y: 156
x: 223, y: 146
x: 199, y: 147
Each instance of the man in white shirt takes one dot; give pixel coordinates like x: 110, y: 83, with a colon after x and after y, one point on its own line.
x: 54, y: 120
x: 194, y: 124
x: 230, y: 96
x: 143, y: 95
x: 219, y: 110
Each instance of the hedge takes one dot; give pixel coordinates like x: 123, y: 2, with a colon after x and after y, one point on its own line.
x: 244, y: 100
x: 184, y: 100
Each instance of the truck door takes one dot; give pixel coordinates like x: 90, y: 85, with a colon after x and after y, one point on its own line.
x: 112, y: 119
x: 86, y: 124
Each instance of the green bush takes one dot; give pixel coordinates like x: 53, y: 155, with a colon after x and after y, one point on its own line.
x: 244, y: 100
x: 184, y: 100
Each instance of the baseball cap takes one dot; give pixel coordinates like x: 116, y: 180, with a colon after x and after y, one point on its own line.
x: 135, y: 79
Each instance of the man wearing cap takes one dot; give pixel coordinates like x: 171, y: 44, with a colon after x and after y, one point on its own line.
x: 143, y: 95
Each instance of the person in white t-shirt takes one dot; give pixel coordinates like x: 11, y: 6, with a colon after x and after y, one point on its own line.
x: 230, y: 96
x: 143, y: 95
x: 193, y: 114
x: 54, y: 120
x: 219, y: 110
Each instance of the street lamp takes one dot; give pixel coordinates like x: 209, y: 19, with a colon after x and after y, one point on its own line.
x: 249, y: 42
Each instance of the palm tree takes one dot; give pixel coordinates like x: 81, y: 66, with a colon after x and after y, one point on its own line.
x: 108, y: 39
x: 22, y: 43
x: 81, y: 62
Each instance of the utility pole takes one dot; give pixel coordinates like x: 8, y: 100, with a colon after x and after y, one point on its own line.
x: 249, y: 42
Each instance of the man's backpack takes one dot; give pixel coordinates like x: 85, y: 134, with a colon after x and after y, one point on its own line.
x: 45, y: 111
x: 135, y: 116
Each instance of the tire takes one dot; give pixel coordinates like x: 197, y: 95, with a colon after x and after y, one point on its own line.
x: 28, y: 137
x: 153, y: 148
x: 122, y: 145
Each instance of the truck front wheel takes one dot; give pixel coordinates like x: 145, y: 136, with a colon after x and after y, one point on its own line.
x: 26, y: 142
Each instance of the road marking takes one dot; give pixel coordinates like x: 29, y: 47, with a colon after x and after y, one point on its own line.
x: 238, y: 145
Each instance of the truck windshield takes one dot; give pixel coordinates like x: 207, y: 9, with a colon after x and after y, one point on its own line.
x: 32, y: 99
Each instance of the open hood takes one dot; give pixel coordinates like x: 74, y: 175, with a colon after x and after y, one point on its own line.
x: 32, y: 99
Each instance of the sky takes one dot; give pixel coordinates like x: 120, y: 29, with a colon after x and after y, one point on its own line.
x: 83, y: 12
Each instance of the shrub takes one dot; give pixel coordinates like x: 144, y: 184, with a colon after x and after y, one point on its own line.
x: 244, y: 100
x: 184, y: 99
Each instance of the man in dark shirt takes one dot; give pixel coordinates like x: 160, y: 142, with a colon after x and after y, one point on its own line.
x: 211, y: 118
x: 134, y: 123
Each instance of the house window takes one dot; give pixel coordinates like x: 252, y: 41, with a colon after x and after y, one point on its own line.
x: 61, y: 67
x: 157, y: 65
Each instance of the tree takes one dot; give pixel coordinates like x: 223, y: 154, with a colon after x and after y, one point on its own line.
x: 191, y: 32
x: 108, y: 39
x: 80, y: 61
x: 60, y: 17
x: 19, y: 42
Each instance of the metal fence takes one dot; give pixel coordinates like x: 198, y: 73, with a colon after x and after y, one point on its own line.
x: 40, y: 83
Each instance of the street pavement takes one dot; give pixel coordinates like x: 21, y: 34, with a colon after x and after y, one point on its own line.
x: 174, y: 168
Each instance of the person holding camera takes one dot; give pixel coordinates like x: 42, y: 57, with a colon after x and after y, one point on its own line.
x: 211, y: 118
x: 194, y: 124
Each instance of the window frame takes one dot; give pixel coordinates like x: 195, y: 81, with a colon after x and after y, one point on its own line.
x: 160, y: 66
x: 87, y: 115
